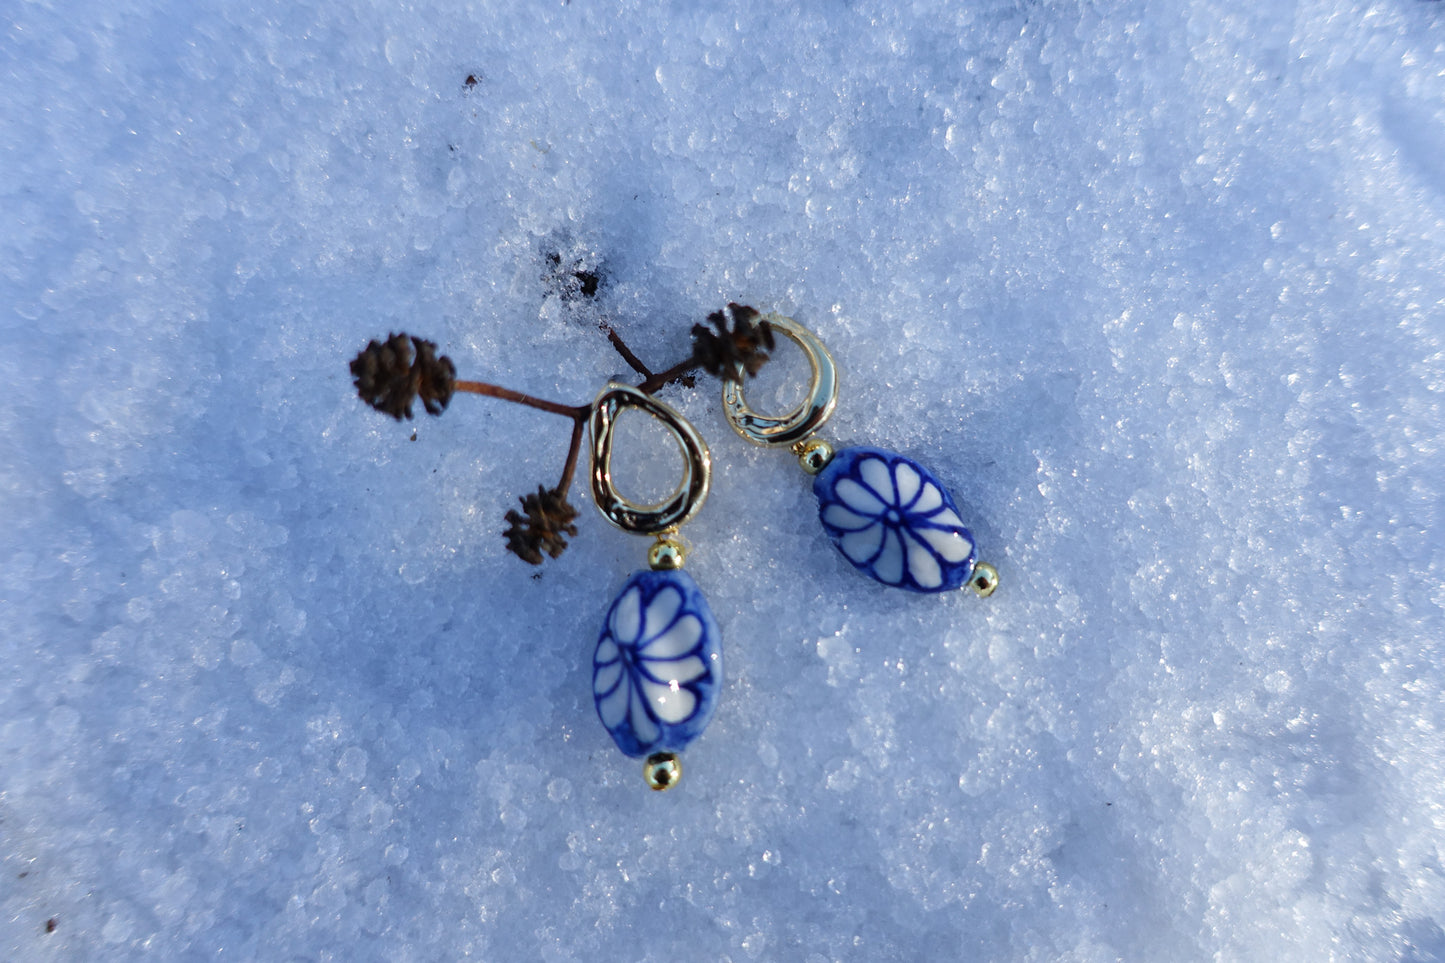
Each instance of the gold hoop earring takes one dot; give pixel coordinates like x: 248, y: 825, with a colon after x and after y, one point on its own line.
x: 889, y: 516
x: 657, y: 668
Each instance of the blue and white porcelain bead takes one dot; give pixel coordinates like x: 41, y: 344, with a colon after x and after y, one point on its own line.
x: 658, y: 665
x: 892, y: 519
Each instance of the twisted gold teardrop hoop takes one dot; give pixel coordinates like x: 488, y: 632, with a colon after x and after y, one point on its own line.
x: 691, y: 491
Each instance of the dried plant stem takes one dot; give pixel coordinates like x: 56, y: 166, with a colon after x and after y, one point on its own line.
x: 651, y: 381
x: 507, y: 394
x: 580, y: 413
x: 664, y: 378
x: 390, y: 376
x: 633, y: 361
x: 571, y: 466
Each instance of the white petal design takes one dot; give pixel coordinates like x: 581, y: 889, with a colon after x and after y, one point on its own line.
x: 656, y: 685
x: 678, y: 640
x: 922, y: 565
x: 907, y: 480
x: 893, y: 520
x: 642, y: 725
x: 606, y: 652
x: 606, y: 678
x: 860, y: 547
x: 875, y: 474
x: 951, y: 546
x: 627, y: 617
x: 845, y: 518
x: 929, y: 500
x: 858, y: 498
x: 947, y: 517
x: 661, y: 611
x: 671, y: 705
x: 613, y: 707
x: 889, y: 566
x: 681, y: 671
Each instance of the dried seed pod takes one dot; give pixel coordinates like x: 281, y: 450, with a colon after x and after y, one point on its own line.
x: 545, y: 519
x: 388, y: 379
x: 741, y: 342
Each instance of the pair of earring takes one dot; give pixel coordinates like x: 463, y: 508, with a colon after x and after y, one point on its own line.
x: 657, y: 668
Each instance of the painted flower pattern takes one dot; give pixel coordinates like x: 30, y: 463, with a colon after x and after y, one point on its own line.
x: 658, y: 667
x: 892, y: 519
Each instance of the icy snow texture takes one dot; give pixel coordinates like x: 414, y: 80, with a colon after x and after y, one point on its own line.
x: 1158, y: 290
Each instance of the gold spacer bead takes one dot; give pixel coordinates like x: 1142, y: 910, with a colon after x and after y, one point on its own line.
x: 984, y: 580
x: 662, y: 770
x: 813, y: 454
x: 666, y: 555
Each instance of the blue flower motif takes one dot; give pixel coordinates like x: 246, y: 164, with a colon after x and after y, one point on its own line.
x: 658, y: 667
x: 892, y: 519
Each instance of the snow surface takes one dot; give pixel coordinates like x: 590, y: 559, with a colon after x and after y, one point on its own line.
x: 1157, y: 287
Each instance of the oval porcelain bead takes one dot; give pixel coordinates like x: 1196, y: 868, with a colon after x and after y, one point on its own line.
x: 658, y: 665
x: 894, y: 521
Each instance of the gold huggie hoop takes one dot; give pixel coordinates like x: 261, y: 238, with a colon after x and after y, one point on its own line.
x: 809, y: 416
x: 696, y: 474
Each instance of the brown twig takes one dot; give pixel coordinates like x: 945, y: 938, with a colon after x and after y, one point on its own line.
x: 507, y: 394
x: 678, y: 372
x: 571, y: 466
x: 387, y: 378
x: 633, y: 361
x: 579, y: 414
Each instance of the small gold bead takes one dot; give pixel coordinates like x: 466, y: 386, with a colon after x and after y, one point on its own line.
x: 984, y: 580
x: 666, y: 555
x: 662, y: 770
x: 813, y: 454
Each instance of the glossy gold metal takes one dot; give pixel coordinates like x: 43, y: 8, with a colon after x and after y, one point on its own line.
x: 666, y: 554
x: 984, y: 580
x: 662, y: 770
x: 809, y: 416
x: 696, y: 473
x: 814, y: 454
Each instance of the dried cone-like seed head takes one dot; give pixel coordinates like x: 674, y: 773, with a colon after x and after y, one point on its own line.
x: 436, y: 377
x: 742, y: 340
x: 545, y: 520
x: 391, y: 375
